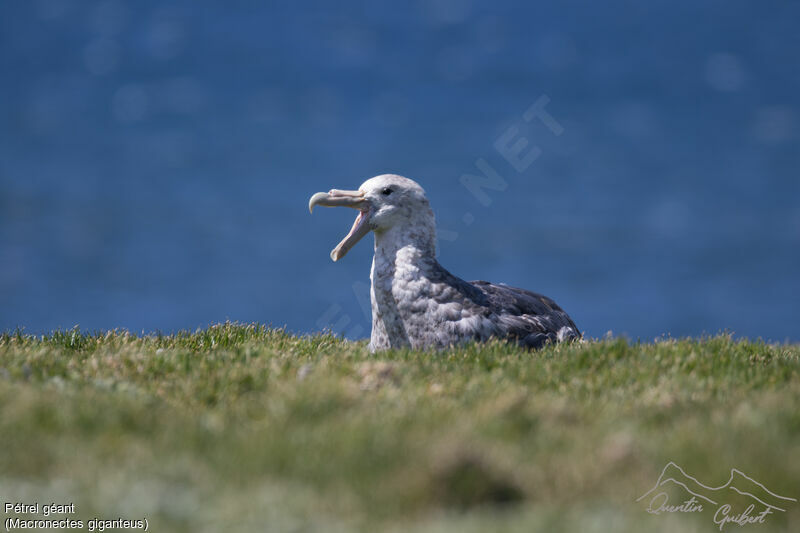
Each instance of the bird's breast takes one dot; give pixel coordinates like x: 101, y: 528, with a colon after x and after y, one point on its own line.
x: 414, y: 305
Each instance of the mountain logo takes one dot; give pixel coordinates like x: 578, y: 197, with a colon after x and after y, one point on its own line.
x: 741, y: 500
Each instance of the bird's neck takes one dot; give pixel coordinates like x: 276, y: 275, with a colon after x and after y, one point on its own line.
x: 404, y: 257
x: 414, y: 246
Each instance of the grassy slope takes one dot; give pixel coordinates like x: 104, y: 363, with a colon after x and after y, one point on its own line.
x: 246, y: 428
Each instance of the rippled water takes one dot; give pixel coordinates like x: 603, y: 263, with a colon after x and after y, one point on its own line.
x: 156, y: 161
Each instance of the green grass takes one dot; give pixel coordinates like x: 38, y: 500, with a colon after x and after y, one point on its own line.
x: 244, y: 428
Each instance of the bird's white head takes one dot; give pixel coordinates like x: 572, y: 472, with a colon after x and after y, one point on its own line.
x: 387, y: 204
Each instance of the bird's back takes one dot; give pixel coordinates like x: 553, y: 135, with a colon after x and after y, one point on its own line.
x: 526, y: 317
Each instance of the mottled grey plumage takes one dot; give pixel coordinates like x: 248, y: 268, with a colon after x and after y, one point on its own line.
x: 415, y: 301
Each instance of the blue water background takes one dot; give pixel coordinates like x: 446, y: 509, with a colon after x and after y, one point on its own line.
x: 156, y: 158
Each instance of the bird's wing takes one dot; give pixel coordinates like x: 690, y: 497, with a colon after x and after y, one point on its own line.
x: 529, y: 317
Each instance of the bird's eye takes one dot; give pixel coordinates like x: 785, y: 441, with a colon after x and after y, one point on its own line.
x: 386, y: 191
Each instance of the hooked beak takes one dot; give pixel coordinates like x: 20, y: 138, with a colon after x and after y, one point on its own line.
x: 354, y: 199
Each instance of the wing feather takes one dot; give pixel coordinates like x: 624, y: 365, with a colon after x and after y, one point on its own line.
x: 530, y: 318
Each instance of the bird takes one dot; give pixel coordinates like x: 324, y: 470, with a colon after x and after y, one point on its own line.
x: 417, y: 303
